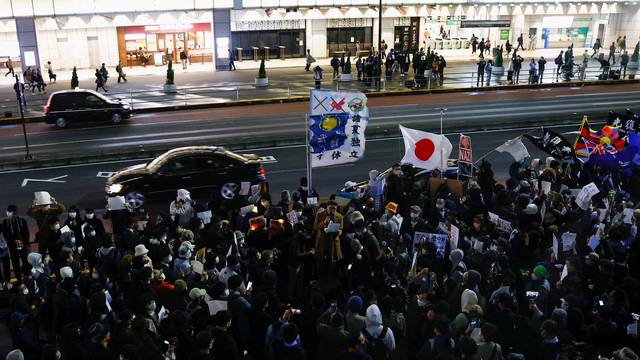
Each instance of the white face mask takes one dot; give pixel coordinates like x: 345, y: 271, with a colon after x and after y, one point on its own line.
x: 168, y: 258
x: 201, y: 226
x: 56, y: 227
x: 9, y: 214
x: 72, y: 215
x: 25, y: 291
x: 414, y: 215
x: 163, y: 238
x: 73, y: 240
x: 162, y: 277
x: 298, y: 214
x: 92, y: 233
x: 90, y: 216
x: 95, y: 276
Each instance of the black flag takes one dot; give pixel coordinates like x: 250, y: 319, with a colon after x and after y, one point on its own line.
x: 554, y: 144
x: 629, y: 122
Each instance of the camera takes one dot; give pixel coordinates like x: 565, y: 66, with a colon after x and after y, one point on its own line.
x: 636, y: 317
x: 532, y: 296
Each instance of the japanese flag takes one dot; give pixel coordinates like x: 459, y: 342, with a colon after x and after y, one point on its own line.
x: 425, y: 150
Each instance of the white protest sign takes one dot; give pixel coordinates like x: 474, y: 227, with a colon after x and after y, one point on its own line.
x: 568, y: 240
x: 454, y: 237
x: 245, y: 187
x: 493, y: 218
x: 585, y: 195
x: 42, y: 198
x: 628, y: 216
x: 293, y: 217
x: 205, y: 216
x: 594, y: 241
x: 115, y: 203
x: 312, y: 201
x: 602, y: 214
x: 65, y: 229
x: 504, y: 225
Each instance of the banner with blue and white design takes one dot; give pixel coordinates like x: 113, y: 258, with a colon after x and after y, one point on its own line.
x: 337, y: 122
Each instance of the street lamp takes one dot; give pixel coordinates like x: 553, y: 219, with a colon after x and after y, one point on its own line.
x: 18, y: 87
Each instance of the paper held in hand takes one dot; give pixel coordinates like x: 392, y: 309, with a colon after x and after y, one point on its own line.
x: 585, y: 195
x: 454, y: 235
x: 293, y: 217
x: 332, y: 227
x: 42, y: 198
x: 568, y: 241
x: 115, y: 203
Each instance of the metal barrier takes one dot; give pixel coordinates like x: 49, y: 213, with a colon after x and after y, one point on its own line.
x: 144, y: 99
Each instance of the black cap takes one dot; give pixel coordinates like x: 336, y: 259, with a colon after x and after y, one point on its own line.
x: 12, y: 208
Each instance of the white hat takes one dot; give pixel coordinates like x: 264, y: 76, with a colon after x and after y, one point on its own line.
x: 66, y: 272
x: 15, y: 355
x: 140, y: 250
x: 531, y: 209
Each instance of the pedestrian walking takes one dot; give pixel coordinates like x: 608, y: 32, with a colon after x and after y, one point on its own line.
x: 104, y: 73
x: 183, y: 58
x: 541, y: 66
x: 612, y: 53
x: 487, y: 46
x: 52, y: 76
x: 623, y: 44
x: 559, y: 61
x: 38, y: 80
x: 335, y: 65
x: 508, y: 47
x: 359, y: 67
x: 474, y: 43
x: 481, y: 66
x: 624, y: 61
x: 532, y: 72
x: 232, y: 60
x: 596, y: 48
x: 481, y: 47
x: 9, y: 65
x: 520, y: 41
x: 487, y: 69
x: 585, y: 64
x: 99, y: 81
x: 121, y: 74
x: 309, y: 60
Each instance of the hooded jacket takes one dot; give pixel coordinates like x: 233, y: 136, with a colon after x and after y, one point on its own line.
x: 374, y: 327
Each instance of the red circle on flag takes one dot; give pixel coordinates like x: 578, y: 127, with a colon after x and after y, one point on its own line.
x: 424, y: 149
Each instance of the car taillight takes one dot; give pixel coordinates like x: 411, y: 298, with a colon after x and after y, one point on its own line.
x: 46, y: 108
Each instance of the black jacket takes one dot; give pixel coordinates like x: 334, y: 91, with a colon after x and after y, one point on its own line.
x: 225, y: 347
x: 14, y: 229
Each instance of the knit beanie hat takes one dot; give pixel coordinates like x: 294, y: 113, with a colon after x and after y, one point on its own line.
x: 540, y: 272
x: 354, y: 304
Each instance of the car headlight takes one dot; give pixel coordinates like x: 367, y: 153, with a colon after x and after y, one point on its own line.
x: 115, y: 188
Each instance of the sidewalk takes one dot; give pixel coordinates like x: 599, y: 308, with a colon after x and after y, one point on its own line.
x: 199, y: 84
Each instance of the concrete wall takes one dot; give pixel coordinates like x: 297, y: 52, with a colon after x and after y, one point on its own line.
x: 68, y: 48
x: 316, y: 37
x: 626, y: 23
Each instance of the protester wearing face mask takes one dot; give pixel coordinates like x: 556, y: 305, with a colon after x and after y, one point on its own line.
x: 74, y: 222
x: 42, y: 214
x: 49, y: 237
x: 328, y: 225
x: 16, y: 233
x: 415, y: 221
x: 91, y: 219
x: 438, y: 213
x: 395, y: 187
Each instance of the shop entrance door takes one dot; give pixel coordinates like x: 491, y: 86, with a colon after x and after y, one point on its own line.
x: 94, y: 51
x: 167, y: 44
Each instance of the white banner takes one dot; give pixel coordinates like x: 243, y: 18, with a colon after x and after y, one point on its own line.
x: 337, y: 122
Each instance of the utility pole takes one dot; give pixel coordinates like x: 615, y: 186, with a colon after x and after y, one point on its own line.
x: 380, y: 44
x: 22, y: 103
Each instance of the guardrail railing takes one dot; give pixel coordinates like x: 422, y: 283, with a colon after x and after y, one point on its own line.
x: 145, y: 99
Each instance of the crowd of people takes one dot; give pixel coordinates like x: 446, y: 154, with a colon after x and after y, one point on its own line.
x: 401, y: 267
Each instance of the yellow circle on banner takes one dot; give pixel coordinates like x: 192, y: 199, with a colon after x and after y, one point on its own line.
x: 605, y: 140
x: 329, y: 123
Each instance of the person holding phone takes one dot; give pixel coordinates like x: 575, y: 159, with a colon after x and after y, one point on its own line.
x: 332, y: 336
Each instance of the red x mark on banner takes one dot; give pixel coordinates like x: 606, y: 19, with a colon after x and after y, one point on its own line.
x: 337, y: 105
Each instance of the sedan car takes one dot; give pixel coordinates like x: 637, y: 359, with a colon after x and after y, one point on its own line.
x: 209, y: 170
x: 81, y: 105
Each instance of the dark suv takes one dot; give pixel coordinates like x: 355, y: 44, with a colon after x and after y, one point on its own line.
x: 83, y: 105
x: 208, y: 170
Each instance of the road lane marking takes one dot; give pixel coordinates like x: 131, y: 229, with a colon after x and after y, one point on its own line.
x: 105, y: 174
x: 52, y: 180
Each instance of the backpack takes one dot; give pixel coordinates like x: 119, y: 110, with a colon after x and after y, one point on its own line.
x: 376, y: 346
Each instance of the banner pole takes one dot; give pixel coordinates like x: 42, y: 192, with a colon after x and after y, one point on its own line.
x: 308, y: 154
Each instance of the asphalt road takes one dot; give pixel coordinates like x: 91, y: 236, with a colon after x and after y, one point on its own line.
x: 83, y: 185
x: 283, y: 124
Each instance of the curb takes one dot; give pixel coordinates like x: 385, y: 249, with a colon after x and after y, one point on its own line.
x: 295, y: 99
x: 260, y: 143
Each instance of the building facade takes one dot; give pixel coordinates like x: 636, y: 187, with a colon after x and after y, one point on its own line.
x: 86, y: 33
